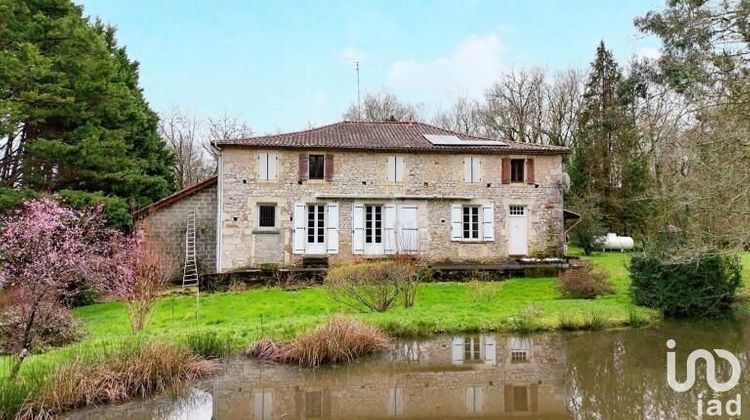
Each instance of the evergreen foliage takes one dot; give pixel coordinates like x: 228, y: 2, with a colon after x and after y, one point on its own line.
x: 73, y: 116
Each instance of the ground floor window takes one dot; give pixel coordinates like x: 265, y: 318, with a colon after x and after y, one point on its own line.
x: 316, y: 223
x: 471, y: 222
x: 266, y: 215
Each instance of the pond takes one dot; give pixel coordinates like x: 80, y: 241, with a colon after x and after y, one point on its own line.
x: 605, y: 374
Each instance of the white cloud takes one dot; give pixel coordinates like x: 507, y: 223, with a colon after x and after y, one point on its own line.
x: 650, y: 53
x: 467, y: 70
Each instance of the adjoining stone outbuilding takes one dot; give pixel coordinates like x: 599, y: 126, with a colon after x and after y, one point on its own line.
x: 355, y: 190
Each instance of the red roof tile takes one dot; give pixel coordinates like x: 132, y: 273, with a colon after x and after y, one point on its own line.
x: 386, y: 135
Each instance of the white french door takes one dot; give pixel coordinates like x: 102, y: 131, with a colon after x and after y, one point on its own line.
x: 374, y: 229
x: 316, y: 229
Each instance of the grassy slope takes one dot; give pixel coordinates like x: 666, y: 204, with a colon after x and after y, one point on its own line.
x: 440, y: 307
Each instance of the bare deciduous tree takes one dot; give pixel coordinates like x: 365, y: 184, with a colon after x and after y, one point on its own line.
x: 181, y: 131
x: 384, y: 106
x: 466, y: 116
x: 222, y: 127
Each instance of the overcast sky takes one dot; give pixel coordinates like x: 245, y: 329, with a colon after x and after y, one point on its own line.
x: 283, y: 65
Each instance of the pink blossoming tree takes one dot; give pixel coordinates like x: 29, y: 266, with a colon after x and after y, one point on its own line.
x: 142, y: 272
x: 49, y: 253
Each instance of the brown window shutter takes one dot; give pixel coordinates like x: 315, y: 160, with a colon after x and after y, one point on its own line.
x: 329, y: 167
x: 303, y: 166
x: 533, y: 398
x: 506, y: 171
x: 508, y: 396
x: 530, y: 171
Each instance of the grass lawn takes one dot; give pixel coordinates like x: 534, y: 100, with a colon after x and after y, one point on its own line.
x: 440, y: 308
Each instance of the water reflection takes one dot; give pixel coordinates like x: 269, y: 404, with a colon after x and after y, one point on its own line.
x: 610, y: 375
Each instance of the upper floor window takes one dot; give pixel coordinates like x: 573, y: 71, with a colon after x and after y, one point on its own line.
x: 517, y: 170
x: 472, y: 169
x: 267, y: 166
x: 395, y: 169
x: 316, y: 167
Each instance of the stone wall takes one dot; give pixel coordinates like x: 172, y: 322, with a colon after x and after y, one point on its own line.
x: 166, y: 227
x: 433, y: 174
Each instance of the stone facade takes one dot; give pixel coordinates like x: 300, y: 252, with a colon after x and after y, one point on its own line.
x: 166, y: 227
x: 432, y: 182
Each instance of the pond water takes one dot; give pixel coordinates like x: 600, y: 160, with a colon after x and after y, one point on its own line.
x: 607, y: 374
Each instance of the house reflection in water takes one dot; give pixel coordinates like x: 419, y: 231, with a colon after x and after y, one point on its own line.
x: 459, y: 377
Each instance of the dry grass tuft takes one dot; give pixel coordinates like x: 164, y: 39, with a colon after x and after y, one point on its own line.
x: 131, y: 373
x: 339, y: 340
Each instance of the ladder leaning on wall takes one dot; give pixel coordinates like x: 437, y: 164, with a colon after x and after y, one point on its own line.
x: 190, y: 270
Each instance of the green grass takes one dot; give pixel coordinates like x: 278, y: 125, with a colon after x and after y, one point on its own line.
x: 241, y: 317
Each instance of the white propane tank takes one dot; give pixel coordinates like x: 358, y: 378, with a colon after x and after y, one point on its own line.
x: 614, y: 242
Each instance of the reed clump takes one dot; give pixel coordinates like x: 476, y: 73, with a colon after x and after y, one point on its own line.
x: 135, y: 371
x: 339, y: 340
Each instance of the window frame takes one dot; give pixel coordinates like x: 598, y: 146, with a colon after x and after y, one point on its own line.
x: 310, y: 166
x: 474, y: 226
x: 522, y: 163
x: 260, y: 216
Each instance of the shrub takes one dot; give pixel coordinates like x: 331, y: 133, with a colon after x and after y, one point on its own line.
x: 583, y: 282
x: 339, y: 340
x: 702, y: 284
x: 374, y: 286
x: 138, y: 371
x: 210, y: 345
x: 59, y: 326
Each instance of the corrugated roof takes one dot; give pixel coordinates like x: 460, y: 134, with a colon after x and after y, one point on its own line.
x: 386, y: 135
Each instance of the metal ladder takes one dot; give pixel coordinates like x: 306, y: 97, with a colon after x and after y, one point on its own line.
x: 190, y: 270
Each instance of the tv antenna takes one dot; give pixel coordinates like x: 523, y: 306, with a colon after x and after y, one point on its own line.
x: 359, y: 99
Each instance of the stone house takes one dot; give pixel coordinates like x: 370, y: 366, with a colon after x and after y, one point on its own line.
x: 353, y: 190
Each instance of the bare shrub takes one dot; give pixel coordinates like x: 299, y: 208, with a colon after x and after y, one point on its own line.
x: 374, y: 286
x: 131, y: 372
x: 57, y: 327
x: 583, y: 282
x: 339, y: 340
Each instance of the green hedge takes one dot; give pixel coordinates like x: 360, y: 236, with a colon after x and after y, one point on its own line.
x: 699, y: 285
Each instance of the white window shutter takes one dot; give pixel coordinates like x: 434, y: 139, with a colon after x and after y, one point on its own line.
x: 476, y: 169
x: 456, y: 226
x: 490, y: 350
x: 391, y: 169
x: 488, y: 222
x: 389, y: 226
x: 358, y: 228
x: 263, y: 166
x: 467, y: 169
x: 399, y: 161
x: 457, y: 350
x: 332, y: 229
x: 299, y: 228
x: 409, y: 232
x: 273, y: 161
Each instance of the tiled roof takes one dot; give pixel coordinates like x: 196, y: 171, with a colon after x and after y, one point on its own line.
x: 386, y: 135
